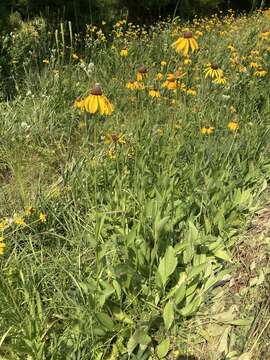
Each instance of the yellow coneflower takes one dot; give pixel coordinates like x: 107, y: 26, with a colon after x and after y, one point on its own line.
x: 124, y: 52
x: 185, y: 43
x: 170, y: 84
x: 255, y: 53
x: 97, y: 102
x: 2, y: 245
x: 213, y: 71
x: 154, y: 93
x: 134, y: 85
x: 232, y: 48
x: 260, y: 72
x: 265, y: 34
x: 207, y: 130
x: 233, y: 125
x: 115, y: 139
x: 159, y: 76
x: 79, y: 103
x: 142, y: 72
x: 220, y: 80
x: 191, y: 92
x: 163, y: 63
x: 254, y: 65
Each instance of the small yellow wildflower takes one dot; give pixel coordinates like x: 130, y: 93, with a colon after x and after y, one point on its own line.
x: 111, y: 154
x: 207, y: 130
x: 2, y: 245
x: 191, y: 92
x: 46, y: 61
x: 42, y: 217
x: 159, y: 76
x: 187, y: 61
x: 134, y: 85
x: 170, y: 84
x: 260, y: 72
x: 160, y: 131
x: 154, y: 93
x: 3, y: 224
x: 124, y: 52
x: 233, y: 125
x: 19, y: 221
x: 163, y: 63
x: 265, y: 34
x: 254, y: 65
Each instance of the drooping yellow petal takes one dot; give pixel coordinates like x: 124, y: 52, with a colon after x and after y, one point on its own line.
x: 108, y: 107
x: 193, y: 44
x: 179, y: 45
x: 93, y: 104
x: 101, y: 106
x: 186, y: 48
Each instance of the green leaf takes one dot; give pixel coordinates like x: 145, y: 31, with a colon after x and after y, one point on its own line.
x: 160, y: 225
x: 241, y: 322
x: 196, y: 270
x: 180, y: 294
x: 140, y: 337
x: 105, y: 320
x: 191, y: 307
x: 224, y: 339
x: 168, y: 314
x: 167, y: 265
x: 122, y: 316
x: 221, y: 254
x: 163, y: 348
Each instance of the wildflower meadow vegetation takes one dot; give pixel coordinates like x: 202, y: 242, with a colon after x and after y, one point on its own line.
x: 131, y: 160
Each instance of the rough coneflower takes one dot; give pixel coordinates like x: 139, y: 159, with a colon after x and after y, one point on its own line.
x: 207, y: 130
x: 220, y: 80
x: 185, y: 43
x: 97, y: 102
x: 141, y: 73
x: 2, y: 245
x: 154, y: 93
x: 213, y: 71
x: 124, y: 52
x: 260, y: 72
x: 134, y: 85
x: 233, y: 125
